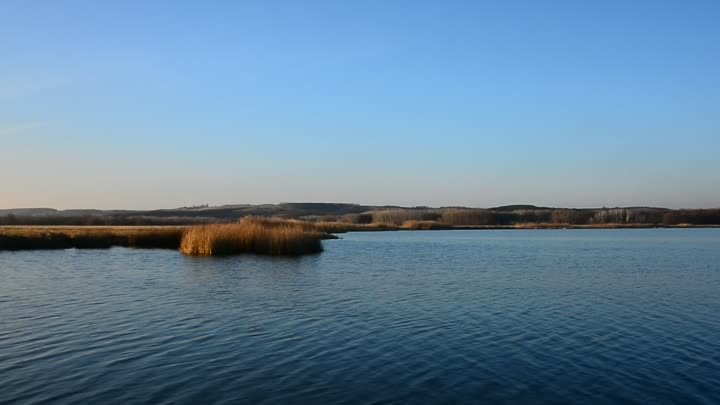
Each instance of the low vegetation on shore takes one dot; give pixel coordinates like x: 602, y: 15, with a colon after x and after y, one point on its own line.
x: 250, y: 235
x: 43, y: 238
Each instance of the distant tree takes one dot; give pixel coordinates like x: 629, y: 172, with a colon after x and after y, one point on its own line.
x: 611, y: 216
x: 357, y: 218
x: 399, y: 216
x: 468, y: 217
x: 669, y: 218
x: 572, y: 217
x: 531, y: 216
x: 10, y: 219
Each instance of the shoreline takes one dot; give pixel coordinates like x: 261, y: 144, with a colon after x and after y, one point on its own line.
x: 251, y: 235
x: 379, y: 228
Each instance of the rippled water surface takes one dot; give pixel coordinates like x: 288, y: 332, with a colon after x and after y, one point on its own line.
x: 497, y: 317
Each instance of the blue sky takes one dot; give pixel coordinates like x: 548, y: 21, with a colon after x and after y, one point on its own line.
x: 478, y: 103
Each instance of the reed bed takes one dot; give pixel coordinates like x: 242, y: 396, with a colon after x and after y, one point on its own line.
x: 546, y: 225
x: 252, y: 235
x: 425, y: 225
x: 342, y: 227
x: 399, y: 216
x: 269, y: 236
x: 319, y: 226
x: 44, y: 238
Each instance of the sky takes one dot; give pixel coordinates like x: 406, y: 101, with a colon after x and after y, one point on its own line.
x: 162, y: 104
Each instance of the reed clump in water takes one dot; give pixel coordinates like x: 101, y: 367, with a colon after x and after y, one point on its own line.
x: 268, y: 236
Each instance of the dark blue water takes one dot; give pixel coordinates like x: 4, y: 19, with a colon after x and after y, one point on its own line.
x: 496, y: 317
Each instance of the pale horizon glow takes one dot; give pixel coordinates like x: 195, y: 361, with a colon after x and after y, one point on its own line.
x: 144, y: 106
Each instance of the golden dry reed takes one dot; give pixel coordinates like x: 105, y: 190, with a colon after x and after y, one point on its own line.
x: 252, y: 235
x: 42, y: 238
x: 424, y: 225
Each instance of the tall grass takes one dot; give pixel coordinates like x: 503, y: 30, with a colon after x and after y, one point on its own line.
x: 318, y: 226
x: 43, y: 238
x: 341, y: 227
x: 363, y: 218
x: 397, y: 217
x: 269, y: 236
x: 252, y: 235
x: 467, y: 217
x: 424, y: 225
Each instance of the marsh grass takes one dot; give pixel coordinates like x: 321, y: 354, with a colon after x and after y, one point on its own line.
x: 397, y: 217
x: 270, y: 236
x: 317, y: 226
x: 342, y: 227
x: 425, y: 225
x: 548, y: 225
x: 252, y: 235
x: 44, y: 238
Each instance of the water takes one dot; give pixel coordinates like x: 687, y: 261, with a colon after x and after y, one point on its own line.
x: 497, y: 317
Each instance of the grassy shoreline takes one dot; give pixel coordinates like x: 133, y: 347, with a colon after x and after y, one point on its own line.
x: 250, y: 235
x: 268, y: 236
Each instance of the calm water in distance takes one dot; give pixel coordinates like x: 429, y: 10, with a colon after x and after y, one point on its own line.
x: 437, y: 317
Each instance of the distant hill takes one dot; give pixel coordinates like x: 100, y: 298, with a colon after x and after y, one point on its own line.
x: 286, y: 210
x: 29, y: 211
x: 515, y: 207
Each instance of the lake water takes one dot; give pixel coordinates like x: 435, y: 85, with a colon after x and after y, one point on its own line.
x: 436, y: 317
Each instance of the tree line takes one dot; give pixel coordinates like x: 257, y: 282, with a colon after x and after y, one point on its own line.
x: 400, y: 216
x: 460, y: 217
